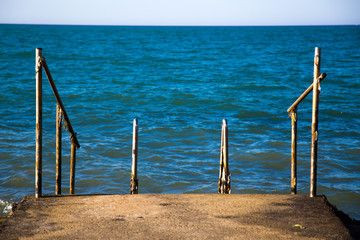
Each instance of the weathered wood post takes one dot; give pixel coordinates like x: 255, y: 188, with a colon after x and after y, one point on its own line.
x: 38, y: 150
x: 224, y: 174
x: 293, y: 115
x: 314, y: 124
x: 134, y: 180
x: 58, y: 149
x: 72, y: 166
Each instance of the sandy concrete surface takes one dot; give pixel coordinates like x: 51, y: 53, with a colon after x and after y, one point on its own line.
x: 174, y: 216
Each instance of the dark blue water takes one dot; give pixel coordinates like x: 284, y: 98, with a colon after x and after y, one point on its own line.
x: 180, y: 82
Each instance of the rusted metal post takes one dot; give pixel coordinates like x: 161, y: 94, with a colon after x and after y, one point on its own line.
x: 224, y: 174
x: 72, y: 166
x: 58, y: 149
x: 134, y: 180
x: 314, y: 124
x: 293, y: 115
x: 38, y: 150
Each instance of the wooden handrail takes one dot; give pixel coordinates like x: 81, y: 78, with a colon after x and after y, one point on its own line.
x: 307, y: 91
x: 58, y: 99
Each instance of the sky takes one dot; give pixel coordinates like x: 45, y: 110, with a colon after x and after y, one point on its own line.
x: 181, y: 12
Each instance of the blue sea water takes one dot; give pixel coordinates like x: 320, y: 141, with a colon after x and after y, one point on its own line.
x: 180, y: 82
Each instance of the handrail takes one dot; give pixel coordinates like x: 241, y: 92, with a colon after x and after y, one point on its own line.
x: 60, y: 112
x: 292, y: 110
x: 58, y: 99
x: 305, y: 93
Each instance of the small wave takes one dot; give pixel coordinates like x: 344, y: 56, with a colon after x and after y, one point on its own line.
x: 5, y: 208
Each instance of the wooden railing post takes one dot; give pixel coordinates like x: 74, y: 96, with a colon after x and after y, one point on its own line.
x: 293, y: 115
x: 38, y: 150
x: 72, y: 166
x: 134, y: 180
x: 58, y: 149
x: 314, y: 124
x: 224, y: 174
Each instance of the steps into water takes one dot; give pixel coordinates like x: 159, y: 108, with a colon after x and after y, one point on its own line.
x: 175, y: 216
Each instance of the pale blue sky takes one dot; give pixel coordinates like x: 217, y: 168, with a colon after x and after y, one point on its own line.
x: 181, y: 12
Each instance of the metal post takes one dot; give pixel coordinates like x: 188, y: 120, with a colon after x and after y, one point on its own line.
x: 294, y: 151
x: 224, y: 175
x: 134, y: 180
x: 314, y: 124
x: 72, y: 167
x: 58, y: 149
x: 38, y: 150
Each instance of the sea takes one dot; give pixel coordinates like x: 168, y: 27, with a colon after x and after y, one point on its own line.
x: 180, y: 83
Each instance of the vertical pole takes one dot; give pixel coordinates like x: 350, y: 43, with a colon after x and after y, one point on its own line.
x: 224, y: 175
x: 134, y: 180
x: 226, y: 157
x: 72, y: 167
x: 221, y: 172
x: 38, y: 150
x: 58, y: 149
x: 314, y: 124
x: 294, y: 151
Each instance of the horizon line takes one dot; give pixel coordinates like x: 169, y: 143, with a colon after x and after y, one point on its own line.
x: 179, y: 25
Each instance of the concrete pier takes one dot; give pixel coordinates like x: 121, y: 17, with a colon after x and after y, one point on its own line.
x: 174, y: 216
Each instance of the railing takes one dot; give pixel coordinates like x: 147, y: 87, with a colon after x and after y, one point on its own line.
x: 224, y: 173
x: 60, y: 113
x: 314, y: 127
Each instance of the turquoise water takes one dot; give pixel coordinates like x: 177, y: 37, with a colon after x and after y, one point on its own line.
x: 180, y: 82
